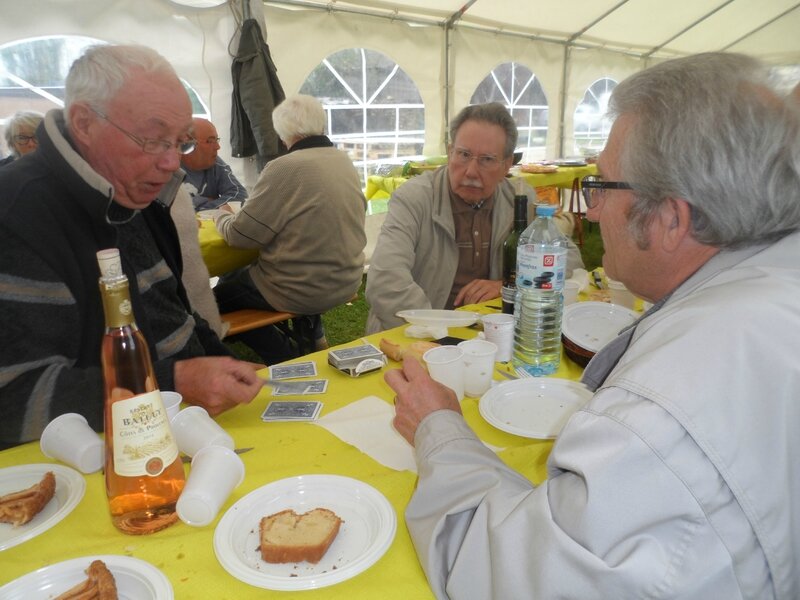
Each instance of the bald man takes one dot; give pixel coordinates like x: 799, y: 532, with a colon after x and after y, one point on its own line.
x: 210, y: 181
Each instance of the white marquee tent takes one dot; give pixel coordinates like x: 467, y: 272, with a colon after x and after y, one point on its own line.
x: 446, y: 47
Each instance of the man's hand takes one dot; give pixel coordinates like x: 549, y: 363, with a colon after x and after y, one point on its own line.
x: 478, y: 290
x: 217, y: 383
x: 417, y: 396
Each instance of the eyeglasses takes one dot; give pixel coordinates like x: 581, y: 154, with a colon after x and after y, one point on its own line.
x: 152, y: 146
x: 211, y: 140
x: 594, y: 189
x: 463, y: 157
x: 24, y: 139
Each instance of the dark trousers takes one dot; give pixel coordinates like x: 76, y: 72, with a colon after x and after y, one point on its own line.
x: 274, y: 343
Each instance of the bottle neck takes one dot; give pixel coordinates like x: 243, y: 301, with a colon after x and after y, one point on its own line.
x: 520, y: 212
x: 117, y: 303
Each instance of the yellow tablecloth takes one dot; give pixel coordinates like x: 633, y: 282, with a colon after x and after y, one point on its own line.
x: 218, y: 256
x: 382, y: 187
x: 186, y: 555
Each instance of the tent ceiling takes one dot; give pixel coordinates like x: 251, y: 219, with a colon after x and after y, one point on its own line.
x: 766, y: 28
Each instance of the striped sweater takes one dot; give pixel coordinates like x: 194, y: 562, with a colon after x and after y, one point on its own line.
x: 55, y: 214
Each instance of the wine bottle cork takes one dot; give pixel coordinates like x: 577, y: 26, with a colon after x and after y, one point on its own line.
x: 110, y: 264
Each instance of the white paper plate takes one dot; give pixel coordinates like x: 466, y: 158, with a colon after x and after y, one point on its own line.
x: 136, y: 580
x: 533, y: 407
x: 367, y: 532
x: 439, y: 318
x: 70, y: 486
x: 591, y: 325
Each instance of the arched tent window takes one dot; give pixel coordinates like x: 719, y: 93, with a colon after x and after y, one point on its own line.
x: 590, y: 125
x: 33, y: 71
x: 516, y: 87
x: 374, y: 109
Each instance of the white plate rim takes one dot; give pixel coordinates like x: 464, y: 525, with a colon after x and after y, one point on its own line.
x: 439, y: 317
x: 65, y: 476
x: 146, y: 571
x: 498, y: 392
x: 606, y: 307
x: 239, y: 512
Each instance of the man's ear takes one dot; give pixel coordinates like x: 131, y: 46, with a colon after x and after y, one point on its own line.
x: 676, y: 223
x: 81, y: 117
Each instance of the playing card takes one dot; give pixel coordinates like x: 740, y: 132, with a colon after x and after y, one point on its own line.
x: 299, y: 388
x: 289, y: 410
x: 293, y: 371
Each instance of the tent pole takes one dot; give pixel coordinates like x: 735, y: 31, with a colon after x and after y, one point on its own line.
x: 562, y: 109
x: 447, y: 29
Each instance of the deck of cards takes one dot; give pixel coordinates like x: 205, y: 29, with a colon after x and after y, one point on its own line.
x: 357, y: 360
x: 279, y: 374
x: 290, y: 410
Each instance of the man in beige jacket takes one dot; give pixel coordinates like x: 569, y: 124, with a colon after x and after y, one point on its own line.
x: 441, y: 244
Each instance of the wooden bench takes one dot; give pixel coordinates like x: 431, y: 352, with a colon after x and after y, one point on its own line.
x: 248, y: 319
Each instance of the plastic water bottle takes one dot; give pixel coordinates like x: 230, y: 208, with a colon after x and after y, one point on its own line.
x: 541, y: 265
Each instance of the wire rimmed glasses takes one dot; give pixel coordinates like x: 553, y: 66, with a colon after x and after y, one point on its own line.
x: 462, y: 157
x: 149, y: 146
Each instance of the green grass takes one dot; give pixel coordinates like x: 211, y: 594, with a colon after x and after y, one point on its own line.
x: 346, y: 323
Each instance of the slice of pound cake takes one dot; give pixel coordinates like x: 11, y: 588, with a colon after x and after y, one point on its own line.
x: 288, y: 537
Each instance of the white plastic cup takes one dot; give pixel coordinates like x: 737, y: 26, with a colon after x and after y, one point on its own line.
x: 620, y: 294
x: 499, y: 329
x: 194, y: 429
x: 479, y: 356
x: 235, y: 205
x: 69, y: 438
x: 446, y: 365
x: 216, y: 471
x: 172, y: 403
x: 570, y: 291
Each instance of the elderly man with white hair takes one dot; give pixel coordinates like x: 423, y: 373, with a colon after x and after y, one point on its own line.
x: 306, y: 217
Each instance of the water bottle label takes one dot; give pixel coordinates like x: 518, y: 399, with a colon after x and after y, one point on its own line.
x: 143, y: 441
x: 538, y: 269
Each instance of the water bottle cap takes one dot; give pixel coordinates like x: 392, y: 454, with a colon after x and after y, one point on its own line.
x: 546, y: 210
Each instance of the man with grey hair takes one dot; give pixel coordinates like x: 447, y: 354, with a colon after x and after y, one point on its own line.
x: 679, y: 478
x: 103, y: 176
x: 441, y: 244
x: 306, y: 218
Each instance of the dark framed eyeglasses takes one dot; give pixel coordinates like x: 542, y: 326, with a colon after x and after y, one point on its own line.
x: 593, y: 189
x: 152, y: 146
x: 24, y: 139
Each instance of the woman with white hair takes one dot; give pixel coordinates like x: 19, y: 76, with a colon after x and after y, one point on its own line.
x: 306, y: 216
x: 20, y: 134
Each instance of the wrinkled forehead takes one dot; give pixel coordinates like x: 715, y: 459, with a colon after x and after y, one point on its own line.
x: 480, y: 137
x: 154, y: 101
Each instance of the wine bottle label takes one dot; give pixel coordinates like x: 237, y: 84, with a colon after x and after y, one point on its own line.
x: 541, y: 270
x: 143, y: 441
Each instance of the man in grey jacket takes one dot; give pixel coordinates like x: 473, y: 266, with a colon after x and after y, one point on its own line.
x: 441, y: 244
x: 679, y: 478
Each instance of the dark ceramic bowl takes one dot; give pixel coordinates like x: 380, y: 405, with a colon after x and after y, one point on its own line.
x: 576, y: 353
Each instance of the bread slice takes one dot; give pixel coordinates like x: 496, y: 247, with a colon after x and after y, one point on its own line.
x: 399, y: 353
x: 99, y: 586
x: 288, y: 537
x: 20, y: 507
